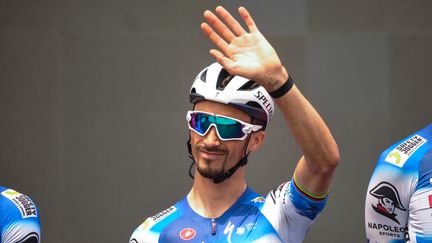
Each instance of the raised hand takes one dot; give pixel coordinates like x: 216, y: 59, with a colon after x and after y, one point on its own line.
x: 241, y: 52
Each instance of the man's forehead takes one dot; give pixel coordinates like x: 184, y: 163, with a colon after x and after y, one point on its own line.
x: 221, y: 109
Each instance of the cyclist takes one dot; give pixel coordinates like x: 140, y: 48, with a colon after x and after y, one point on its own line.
x: 232, y: 105
x: 399, y: 198
x: 19, y: 220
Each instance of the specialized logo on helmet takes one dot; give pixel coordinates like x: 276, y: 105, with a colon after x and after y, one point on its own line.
x: 388, y: 200
x: 264, y: 102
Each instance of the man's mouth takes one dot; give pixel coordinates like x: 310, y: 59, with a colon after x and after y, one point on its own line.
x: 211, y: 154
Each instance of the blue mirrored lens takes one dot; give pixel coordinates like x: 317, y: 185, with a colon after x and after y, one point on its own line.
x: 227, y: 128
x: 200, y: 122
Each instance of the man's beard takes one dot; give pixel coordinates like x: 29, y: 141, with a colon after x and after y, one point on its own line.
x: 210, y: 173
x: 207, y: 171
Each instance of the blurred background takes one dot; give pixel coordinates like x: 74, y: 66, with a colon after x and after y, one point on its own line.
x: 93, y: 96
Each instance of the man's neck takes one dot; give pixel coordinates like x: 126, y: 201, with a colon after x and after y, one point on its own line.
x: 211, y: 200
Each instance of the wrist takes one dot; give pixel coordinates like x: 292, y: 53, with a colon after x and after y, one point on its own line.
x: 282, y: 90
x: 276, y: 79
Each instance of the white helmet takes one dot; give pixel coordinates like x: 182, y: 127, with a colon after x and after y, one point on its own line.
x: 215, y: 84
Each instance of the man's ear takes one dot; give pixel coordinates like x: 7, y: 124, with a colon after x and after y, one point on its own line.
x: 256, y: 140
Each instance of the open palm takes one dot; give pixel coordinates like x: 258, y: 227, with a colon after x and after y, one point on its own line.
x: 243, y: 53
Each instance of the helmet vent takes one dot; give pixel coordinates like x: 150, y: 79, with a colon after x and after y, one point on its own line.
x: 223, y: 79
x: 203, y: 76
x: 250, y: 85
x: 254, y: 104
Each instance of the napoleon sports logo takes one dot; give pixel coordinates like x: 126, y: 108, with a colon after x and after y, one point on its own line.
x: 388, y: 200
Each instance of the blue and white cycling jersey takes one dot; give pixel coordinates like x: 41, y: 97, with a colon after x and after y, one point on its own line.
x: 285, y: 215
x: 19, y: 221
x: 399, y: 198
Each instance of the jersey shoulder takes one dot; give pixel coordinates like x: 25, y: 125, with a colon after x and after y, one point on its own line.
x: 17, y: 203
x: 408, y: 152
x: 19, y: 219
x: 151, y: 228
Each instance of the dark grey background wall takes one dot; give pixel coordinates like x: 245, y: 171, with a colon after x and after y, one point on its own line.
x: 93, y: 96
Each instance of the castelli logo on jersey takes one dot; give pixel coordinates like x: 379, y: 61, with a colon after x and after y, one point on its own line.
x: 187, y: 234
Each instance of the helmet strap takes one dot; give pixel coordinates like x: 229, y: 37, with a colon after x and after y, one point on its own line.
x: 189, y: 146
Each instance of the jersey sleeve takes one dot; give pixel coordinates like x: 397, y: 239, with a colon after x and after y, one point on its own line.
x: 291, y: 211
x: 19, y: 219
x: 386, y: 204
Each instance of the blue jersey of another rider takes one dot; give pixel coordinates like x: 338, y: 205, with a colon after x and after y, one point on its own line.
x: 399, y: 198
x: 19, y: 219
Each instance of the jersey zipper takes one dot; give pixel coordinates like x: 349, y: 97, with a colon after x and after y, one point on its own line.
x: 213, y: 226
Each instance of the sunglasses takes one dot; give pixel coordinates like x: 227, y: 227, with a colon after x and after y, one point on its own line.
x: 227, y: 128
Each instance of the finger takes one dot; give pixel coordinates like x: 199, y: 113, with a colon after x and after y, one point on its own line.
x: 220, y: 43
x: 222, y: 59
x: 230, y: 21
x: 250, y: 23
x: 219, y: 26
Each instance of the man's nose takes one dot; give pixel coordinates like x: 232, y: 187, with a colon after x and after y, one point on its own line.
x: 211, y: 138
